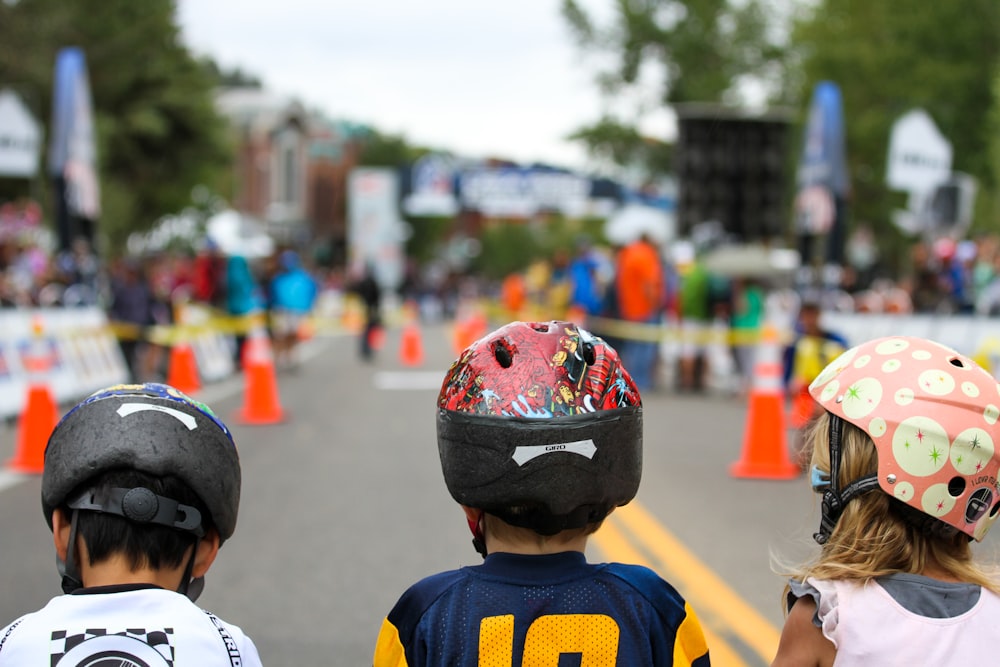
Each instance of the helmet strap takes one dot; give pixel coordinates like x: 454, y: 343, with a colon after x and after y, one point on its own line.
x: 192, y: 588
x: 164, y: 512
x: 140, y: 505
x: 835, y: 498
x: 478, y: 534
x: 71, y: 579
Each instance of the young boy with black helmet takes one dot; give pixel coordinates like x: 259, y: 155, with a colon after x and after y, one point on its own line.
x: 539, y: 431
x: 141, y: 486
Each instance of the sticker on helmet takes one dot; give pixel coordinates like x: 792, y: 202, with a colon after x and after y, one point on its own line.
x: 126, y: 409
x: 979, y: 502
x: 524, y: 453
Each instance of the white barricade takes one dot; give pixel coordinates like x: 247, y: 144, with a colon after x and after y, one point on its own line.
x: 213, y: 349
x: 83, y: 354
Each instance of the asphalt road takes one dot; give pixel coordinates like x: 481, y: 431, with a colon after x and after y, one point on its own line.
x: 344, y: 506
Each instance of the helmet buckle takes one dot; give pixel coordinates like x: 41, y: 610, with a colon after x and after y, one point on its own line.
x: 819, y: 479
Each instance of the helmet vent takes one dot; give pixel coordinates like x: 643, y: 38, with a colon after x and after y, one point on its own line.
x: 956, y: 487
x: 955, y: 361
x: 996, y: 508
x: 501, y: 350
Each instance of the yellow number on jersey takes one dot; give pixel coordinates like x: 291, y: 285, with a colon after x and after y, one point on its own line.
x: 593, y: 636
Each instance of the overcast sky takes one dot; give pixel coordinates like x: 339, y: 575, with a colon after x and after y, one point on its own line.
x: 501, y: 78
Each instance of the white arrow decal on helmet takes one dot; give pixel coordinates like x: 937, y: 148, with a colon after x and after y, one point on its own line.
x: 524, y: 453
x: 127, y: 409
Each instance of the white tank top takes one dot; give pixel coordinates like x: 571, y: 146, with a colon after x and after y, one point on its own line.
x: 149, y: 626
x: 869, y: 627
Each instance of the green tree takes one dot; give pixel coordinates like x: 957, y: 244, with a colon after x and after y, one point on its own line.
x: 682, y: 51
x: 991, y: 202
x: 234, y: 78
x: 889, y: 58
x: 158, y: 132
x: 388, y: 150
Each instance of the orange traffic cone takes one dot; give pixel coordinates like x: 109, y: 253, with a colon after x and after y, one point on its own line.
x: 470, y: 325
x: 479, y: 325
x: 462, y: 335
x: 182, y: 372
x: 260, y: 383
x: 36, y: 424
x: 765, y: 446
x: 40, y: 414
x: 411, y: 346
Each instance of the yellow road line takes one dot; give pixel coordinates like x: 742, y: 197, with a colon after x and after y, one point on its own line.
x: 616, y: 547
x: 707, y: 592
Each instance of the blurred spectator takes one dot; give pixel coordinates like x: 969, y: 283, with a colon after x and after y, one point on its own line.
x: 585, y: 287
x: 242, y: 299
x: 368, y: 289
x: 695, y: 310
x: 923, y: 281
x: 160, y: 276
x: 513, y: 295
x: 560, y: 287
x: 609, y: 310
x: 537, y: 278
x: 745, y: 323
x: 640, y: 293
x: 293, y: 294
x: 131, y: 311
x: 809, y: 353
x: 862, y: 256
x: 208, y: 280
x: 79, y: 269
x: 984, y: 267
x: 962, y: 290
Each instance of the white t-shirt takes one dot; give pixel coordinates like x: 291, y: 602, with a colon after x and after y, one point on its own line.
x: 923, y: 622
x: 127, y: 626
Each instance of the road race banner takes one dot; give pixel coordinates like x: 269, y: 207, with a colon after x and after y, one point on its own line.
x: 20, y: 138
x: 513, y: 192
x: 432, y: 191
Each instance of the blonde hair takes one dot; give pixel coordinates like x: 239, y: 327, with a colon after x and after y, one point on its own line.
x: 873, y: 537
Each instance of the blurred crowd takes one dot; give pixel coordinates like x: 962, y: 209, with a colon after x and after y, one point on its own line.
x: 622, y: 291
x: 139, y: 293
x: 626, y: 293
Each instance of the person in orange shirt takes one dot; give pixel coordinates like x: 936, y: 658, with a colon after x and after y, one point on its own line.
x: 639, y: 283
x: 513, y: 294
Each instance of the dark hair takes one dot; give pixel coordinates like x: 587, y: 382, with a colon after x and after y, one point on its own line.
x: 143, y: 545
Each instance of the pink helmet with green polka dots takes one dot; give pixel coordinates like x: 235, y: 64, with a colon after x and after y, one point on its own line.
x: 932, y: 414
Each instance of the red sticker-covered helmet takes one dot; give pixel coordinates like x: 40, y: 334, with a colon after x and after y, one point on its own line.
x: 539, y: 423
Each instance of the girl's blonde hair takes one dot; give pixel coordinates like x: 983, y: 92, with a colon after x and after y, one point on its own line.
x: 873, y: 537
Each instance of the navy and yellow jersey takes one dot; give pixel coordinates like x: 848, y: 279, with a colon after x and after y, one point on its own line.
x: 530, y: 611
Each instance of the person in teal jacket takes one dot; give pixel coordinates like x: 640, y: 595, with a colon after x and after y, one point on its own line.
x: 292, y: 294
x: 242, y: 297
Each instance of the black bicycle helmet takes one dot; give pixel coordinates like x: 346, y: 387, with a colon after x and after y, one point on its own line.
x: 540, y: 424
x: 151, y: 428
